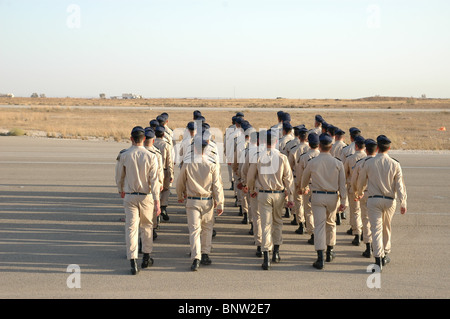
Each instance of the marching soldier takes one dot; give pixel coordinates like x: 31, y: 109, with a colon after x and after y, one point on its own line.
x: 327, y: 177
x: 270, y: 180
x: 149, y: 145
x: 166, y: 152
x: 297, y: 149
x: 303, y: 160
x: 354, y: 204
x: 137, y: 179
x: 279, y: 126
x: 371, y: 149
x: 229, y: 132
x: 318, y: 119
x: 286, y: 138
x: 382, y: 176
x: 339, y: 143
x: 199, y: 183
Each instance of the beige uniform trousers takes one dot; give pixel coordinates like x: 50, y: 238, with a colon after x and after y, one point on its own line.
x: 309, y: 218
x: 255, y: 217
x: 138, y: 223
x: 298, y: 208
x: 165, y: 193
x: 324, y: 207
x: 271, y: 207
x: 200, y: 219
x: 367, y: 233
x: 355, y: 212
x: 380, y: 212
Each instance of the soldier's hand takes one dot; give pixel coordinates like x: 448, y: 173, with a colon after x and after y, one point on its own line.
x: 402, y: 210
x: 342, y: 207
x: 253, y: 195
x: 239, y: 186
x: 219, y: 212
x: 122, y: 194
x: 290, y: 204
x: 245, y: 189
x: 181, y: 201
x: 158, y: 210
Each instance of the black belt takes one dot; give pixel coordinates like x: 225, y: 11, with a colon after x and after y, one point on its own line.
x: 379, y: 196
x: 200, y: 198
x: 136, y: 194
x: 322, y: 192
x: 271, y: 192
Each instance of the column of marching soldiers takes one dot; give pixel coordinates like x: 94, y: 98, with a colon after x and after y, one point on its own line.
x: 286, y: 171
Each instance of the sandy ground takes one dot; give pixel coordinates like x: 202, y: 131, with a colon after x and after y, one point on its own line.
x: 59, y: 207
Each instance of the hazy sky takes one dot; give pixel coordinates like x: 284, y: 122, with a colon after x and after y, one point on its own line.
x: 225, y: 48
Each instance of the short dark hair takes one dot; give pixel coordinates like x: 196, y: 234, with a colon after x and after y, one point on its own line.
x: 159, y: 134
x: 138, y: 137
x: 325, y: 147
x: 371, y: 148
x: 383, y: 147
x: 313, y: 145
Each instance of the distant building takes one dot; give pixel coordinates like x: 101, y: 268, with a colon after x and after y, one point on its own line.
x: 10, y: 95
x: 34, y: 95
x: 102, y: 95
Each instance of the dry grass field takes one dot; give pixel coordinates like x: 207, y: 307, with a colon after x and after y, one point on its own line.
x: 408, y: 130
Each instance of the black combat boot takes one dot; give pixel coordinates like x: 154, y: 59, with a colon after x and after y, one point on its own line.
x: 330, y: 254
x: 378, y: 262
x: 385, y: 260
x: 276, y: 254
x: 266, y: 263
x: 251, y: 229
x: 338, y: 219
x: 300, y: 230
x: 258, y: 251
x: 357, y: 240
x: 311, y: 240
x: 134, y: 267
x: 343, y: 215
x: 294, y: 220
x: 240, y: 211
x: 164, y: 213
x: 287, y: 213
x: 146, y: 261
x: 350, y: 231
x: 245, y: 219
x: 205, y: 260
x: 319, y: 262
x: 367, y: 252
x: 195, y: 265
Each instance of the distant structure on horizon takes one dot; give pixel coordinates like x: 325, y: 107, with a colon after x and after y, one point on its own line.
x: 126, y: 96
x: 10, y: 95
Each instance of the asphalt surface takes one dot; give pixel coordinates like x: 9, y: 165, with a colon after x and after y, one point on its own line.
x: 59, y: 206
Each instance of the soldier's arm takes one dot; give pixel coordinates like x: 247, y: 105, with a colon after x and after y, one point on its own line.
x: 400, y: 188
x: 305, y: 177
x: 181, y: 184
x: 120, y: 175
x: 342, y: 184
x: 169, y: 162
x: 217, y: 189
x: 361, y: 181
x: 288, y: 180
x: 251, y: 177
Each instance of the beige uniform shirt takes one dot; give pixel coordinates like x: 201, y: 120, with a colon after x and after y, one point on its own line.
x: 326, y: 174
x: 349, y: 164
x: 284, y: 141
x: 271, y: 172
x: 302, y: 162
x: 346, y: 151
x: 278, y: 127
x: 337, y: 147
x: 296, y: 152
x: 137, y: 172
x: 200, y: 180
x: 355, y: 173
x: 383, y: 177
x: 166, y: 154
x: 251, y: 156
x: 156, y: 151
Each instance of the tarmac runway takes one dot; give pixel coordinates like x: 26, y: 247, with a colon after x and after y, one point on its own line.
x: 59, y: 207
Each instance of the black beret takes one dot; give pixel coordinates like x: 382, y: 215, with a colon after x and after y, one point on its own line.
x: 149, y: 132
x: 191, y: 126
x: 239, y: 120
x: 240, y: 114
x: 287, y: 126
x: 359, y: 139
x: 160, y: 128
x: 382, y: 139
x: 354, y: 130
x: 154, y: 123
x: 370, y: 141
x: 339, y: 131
x: 313, y: 138
x: 325, y: 125
x: 137, y: 130
x: 286, y: 117
x: 318, y: 118
x: 326, y: 139
x: 197, y: 114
